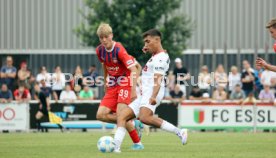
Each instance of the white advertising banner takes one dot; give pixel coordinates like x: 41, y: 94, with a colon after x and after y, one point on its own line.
x: 226, y: 115
x: 14, y: 116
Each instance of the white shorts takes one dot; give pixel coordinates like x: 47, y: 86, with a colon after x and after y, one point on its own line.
x: 143, y: 101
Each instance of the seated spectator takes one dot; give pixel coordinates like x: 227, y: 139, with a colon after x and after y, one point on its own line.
x: 58, y: 79
x: 266, y: 94
x: 234, y: 78
x: 221, y: 78
x: 8, y: 73
x: 204, y: 79
x: 22, y: 94
x: 77, y: 81
x: 68, y: 95
x: 25, y: 77
x: 237, y: 93
x: 44, y: 75
x: 220, y: 94
x: 86, y: 94
x: 177, y: 96
x: 5, y: 94
x: 195, y: 94
x: 92, y: 76
x: 46, y: 90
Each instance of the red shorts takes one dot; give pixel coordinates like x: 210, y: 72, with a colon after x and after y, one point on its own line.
x: 115, y: 95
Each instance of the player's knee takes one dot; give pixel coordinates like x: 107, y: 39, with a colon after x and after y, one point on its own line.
x: 144, y: 119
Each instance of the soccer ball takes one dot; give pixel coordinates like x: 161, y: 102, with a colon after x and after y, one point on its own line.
x: 106, y: 144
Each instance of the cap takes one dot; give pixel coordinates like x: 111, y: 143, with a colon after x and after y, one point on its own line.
x: 177, y: 60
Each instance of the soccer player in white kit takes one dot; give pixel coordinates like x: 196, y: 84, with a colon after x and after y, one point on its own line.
x: 152, y: 89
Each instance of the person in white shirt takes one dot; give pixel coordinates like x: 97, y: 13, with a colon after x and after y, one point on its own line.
x: 267, y: 76
x: 153, y: 89
x: 58, y: 80
x: 234, y: 79
x: 43, y: 75
x: 204, y: 80
x: 68, y: 95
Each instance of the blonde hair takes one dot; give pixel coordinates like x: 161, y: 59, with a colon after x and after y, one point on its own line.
x: 271, y: 23
x: 234, y: 68
x: 104, y: 29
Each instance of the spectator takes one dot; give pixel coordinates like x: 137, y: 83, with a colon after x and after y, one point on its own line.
x: 44, y: 75
x: 267, y: 76
x: 22, y: 94
x: 234, y: 78
x: 77, y: 82
x: 177, y: 95
x: 247, y: 78
x: 86, y: 94
x: 47, y: 91
x: 258, y: 74
x: 237, y: 93
x: 195, y: 94
x: 206, y: 97
x: 266, y: 94
x: 181, y: 74
x: 204, y: 80
x: 68, y: 95
x: 5, y: 94
x: 92, y: 75
x: 25, y: 77
x: 8, y: 73
x: 58, y: 80
x: 220, y: 77
x: 220, y: 94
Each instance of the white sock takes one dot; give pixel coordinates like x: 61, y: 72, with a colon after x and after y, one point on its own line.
x: 119, y: 137
x: 169, y: 127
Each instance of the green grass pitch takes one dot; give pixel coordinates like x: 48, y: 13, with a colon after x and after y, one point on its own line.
x: 159, y: 145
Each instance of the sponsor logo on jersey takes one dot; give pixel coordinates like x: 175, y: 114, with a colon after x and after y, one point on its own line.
x: 159, y: 68
x: 112, y: 68
x: 115, y: 60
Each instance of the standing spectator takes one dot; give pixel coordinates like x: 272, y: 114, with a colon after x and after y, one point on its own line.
x: 258, y: 75
x: 204, y: 80
x: 44, y: 75
x: 77, y: 82
x: 58, y: 80
x: 220, y: 94
x: 5, y: 94
x: 247, y: 78
x: 92, y: 75
x: 177, y: 95
x: 8, y: 73
x: 267, y: 76
x: 22, y: 94
x: 266, y: 94
x: 237, y: 93
x: 68, y: 95
x: 86, y: 94
x: 195, y: 94
x: 220, y: 77
x: 181, y: 74
x: 25, y: 77
x: 234, y: 78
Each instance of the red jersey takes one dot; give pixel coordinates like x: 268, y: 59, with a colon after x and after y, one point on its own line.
x: 117, y: 60
x: 274, y: 46
x: 24, y: 95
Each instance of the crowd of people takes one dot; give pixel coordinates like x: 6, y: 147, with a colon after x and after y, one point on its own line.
x: 19, y: 84
x: 249, y: 83
x: 218, y: 85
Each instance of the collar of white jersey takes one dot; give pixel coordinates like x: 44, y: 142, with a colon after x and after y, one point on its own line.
x: 111, y: 48
x: 163, y: 51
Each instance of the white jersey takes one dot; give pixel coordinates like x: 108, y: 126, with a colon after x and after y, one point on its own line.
x: 157, y: 64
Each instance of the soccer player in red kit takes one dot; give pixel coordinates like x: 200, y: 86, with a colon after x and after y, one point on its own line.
x: 271, y: 26
x: 120, y: 74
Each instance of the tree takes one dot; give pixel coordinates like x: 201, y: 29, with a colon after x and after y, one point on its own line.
x: 130, y: 18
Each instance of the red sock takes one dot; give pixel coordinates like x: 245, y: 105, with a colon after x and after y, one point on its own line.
x: 134, y: 136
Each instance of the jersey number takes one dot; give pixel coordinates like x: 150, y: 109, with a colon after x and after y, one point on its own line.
x: 123, y: 93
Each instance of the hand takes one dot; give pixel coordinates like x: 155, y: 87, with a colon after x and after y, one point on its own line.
x: 260, y: 62
x: 152, y: 101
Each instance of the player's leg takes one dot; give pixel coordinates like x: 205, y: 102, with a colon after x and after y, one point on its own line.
x: 122, y: 121
x: 129, y: 126
x: 146, y: 116
x: 38, y: 117
x: 105, y: 114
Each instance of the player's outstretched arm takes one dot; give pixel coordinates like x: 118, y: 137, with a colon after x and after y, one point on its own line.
x: 261, y: 62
